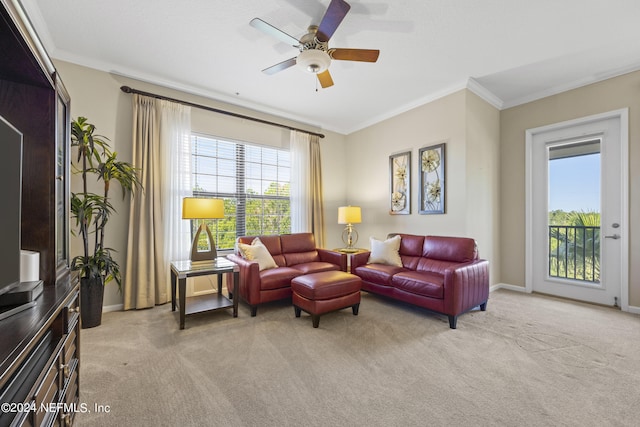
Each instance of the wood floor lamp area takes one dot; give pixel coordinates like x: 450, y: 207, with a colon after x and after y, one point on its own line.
x: 203, y: 208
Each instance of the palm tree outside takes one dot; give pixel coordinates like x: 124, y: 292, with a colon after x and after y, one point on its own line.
x: 574, y: 218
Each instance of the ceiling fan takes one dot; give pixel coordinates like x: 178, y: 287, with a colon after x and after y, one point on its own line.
x: 315, y: 55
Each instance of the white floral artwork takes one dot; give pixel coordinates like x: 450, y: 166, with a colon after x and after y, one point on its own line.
x: 431, y: 197
x: 400, y: 198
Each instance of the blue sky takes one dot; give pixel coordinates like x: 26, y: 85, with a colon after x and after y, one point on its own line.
x: 574, y: 183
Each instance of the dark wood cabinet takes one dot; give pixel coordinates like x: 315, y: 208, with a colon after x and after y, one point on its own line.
x: 40, y: 365
x: 40, y: 346
x: 31, y: 95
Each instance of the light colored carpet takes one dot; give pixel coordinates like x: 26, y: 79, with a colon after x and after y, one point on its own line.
x: 529, y: 360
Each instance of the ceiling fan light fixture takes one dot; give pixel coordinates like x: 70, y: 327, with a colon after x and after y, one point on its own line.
x: 313, y: 61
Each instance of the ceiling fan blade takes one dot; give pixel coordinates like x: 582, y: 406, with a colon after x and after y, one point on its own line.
x: 325, y: 79
x: 274, y: 32
x: 279, y: 67
x: 334, y: 15
x: 364, y: 55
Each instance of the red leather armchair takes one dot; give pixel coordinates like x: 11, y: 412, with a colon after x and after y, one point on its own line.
x: 442, y: 274
x: 295, y: 254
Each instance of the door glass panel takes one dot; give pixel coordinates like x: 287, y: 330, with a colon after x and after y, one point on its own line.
x: 574, y: 212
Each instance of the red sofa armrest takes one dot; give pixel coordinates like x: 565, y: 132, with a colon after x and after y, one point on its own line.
x: 249, y: 282
x: 466, y: 285
x: 333, y: 257
x: 359, y: 259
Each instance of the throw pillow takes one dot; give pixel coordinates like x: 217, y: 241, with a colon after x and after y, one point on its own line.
x: 385, y: 252
x: 257, y: 251
x: 245, y: 249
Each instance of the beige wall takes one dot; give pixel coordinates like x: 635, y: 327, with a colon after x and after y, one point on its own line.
x: 483, y: 184
x: 369, y: 150
x: 470, y: 127
x: 97, y: 96
x: 609, y: 95
x: 485, y: 181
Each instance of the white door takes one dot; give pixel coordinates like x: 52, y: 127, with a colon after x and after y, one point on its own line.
x: 577, y: 244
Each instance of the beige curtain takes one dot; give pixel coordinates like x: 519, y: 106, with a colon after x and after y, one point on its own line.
x: 317, y: 199
x: 157, y: 235
x: 307, y: 214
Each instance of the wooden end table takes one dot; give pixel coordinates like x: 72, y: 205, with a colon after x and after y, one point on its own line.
x: 180, y: 270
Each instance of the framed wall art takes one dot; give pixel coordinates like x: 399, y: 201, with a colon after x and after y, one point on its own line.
x: 431, y: 195
x: 400, y: 183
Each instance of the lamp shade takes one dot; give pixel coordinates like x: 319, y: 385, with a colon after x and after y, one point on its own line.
x: 202, y: 208
x: 313, y: 61
x: 349, y: 215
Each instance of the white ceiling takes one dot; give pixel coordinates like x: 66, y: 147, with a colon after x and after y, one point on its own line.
x: 508, y: 51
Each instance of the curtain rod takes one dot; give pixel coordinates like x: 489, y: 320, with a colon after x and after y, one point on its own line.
x: 127, y: 89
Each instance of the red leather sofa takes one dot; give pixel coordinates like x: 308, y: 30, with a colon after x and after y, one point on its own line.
x: 295, y: 254
x: 442, y: 274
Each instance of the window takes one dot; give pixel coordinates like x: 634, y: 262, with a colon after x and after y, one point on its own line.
x: 253, y: 181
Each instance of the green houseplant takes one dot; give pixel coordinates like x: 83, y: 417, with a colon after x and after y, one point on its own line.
x: 91, y: 212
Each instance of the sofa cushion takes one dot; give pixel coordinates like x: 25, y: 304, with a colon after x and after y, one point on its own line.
x: 300, y: 258
x: 277, y: 278
x: 435, y: 265
x: 378, y: 273
x: 298, y: 248
x: 315, y: 267
x: 385, y: 252
x: 257, y: 251
x: 411, y: 245
x: 459, y: 249
x: 410, y: 250
x: 297, y: 242
x: 420, y: 282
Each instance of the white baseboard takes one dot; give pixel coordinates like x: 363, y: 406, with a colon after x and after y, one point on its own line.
x: 633, y: 309
x: 115, y: 307
x: 507, y: 286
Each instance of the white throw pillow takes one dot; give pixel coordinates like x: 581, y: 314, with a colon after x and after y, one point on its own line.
x: 385, y: 252
x: 257, y: 251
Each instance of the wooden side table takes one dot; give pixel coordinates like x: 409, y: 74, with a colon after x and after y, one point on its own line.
x: 180, y: 270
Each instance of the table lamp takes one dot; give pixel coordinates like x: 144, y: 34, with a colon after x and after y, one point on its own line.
x: 202, y: 208
x: 349, y: 215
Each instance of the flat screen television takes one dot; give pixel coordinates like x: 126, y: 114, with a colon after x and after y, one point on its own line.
x: 10, y: 205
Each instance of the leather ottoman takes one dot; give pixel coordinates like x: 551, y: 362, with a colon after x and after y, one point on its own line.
x: 320, y: 293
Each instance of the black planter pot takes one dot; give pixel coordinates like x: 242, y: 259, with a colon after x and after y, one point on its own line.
x: 91, y: 296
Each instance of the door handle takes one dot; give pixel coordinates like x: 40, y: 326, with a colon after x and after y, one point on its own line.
x: 614, y: 237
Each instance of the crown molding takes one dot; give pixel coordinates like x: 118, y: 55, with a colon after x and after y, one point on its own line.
x: 576, y: 84
x: 484, y: 93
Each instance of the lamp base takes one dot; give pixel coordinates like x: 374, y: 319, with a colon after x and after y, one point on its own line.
x: 209, y: 255
x: 350, y: 237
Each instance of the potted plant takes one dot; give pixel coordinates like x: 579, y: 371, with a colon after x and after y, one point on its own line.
x: 92, y: 211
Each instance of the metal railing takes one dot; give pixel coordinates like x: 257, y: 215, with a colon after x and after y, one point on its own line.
x: 574, y: 252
